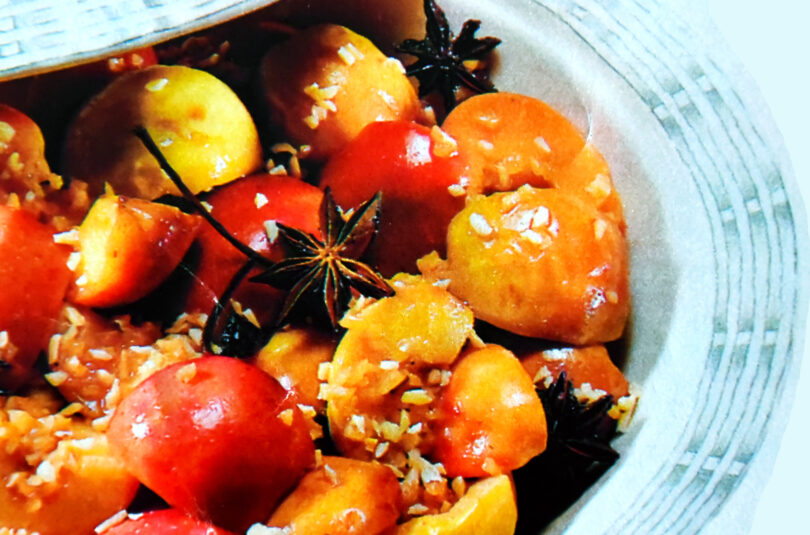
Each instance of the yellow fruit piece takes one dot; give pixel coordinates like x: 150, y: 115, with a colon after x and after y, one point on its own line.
x: 542, y: 263
x: 199, y: 123
x: 487, y: 507
x: 294, y: 356
x: 342, y: 496
x: 127, y: 247
x: 57, y: 476
x: 421, y: 327
x: 326, y: 83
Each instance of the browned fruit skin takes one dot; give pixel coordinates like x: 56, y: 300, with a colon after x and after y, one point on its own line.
x: 491, y: 419
x: 293, y: 356
x: 487, y: 507
x: 128, y: 247
x: 388, y: 346
x: 589, y: 364
x: 341, y: 497
x: 540, y: 263
x: 215, y: 437
x: 416, y: 169
x: 200, y: 125
x: 57, y: 474
x: 22, y: 150
x: 235, y: 205
x: 512, y: 140
x: 356, y: 85
x: 33, y: 281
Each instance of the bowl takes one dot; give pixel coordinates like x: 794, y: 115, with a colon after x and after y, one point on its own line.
x: 715, y: 222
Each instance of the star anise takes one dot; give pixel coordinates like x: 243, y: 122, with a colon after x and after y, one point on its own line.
x: 318, y: 274
x: 578, y: 452
x: 440, y: 57
x: 581, y: 431
x: 321, y: 273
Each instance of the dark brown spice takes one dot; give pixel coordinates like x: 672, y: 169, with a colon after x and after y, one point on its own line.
x: 440, y: 57
x: 321, y: 274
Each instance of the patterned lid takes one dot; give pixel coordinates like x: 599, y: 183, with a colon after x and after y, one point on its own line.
x: 37, y: 35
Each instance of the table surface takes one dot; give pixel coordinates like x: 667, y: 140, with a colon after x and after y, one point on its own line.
x: 772, y: 43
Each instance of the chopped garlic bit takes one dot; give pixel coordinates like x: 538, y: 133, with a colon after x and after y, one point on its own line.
x: 541, y: 217
x: 73, y: 261
x: 114, y: 520
x: 186, y: 373
x: 444, y: 146
x: 417, y: 396
x: 350, y: 54
x: 625, y: 408
x: 324, y: 368
x: 418, y: 509
x: 261, y: 529
x: 600, y: 186
x: 457, y: 190
x: 56, y: 378
x: 381, y: 449
x: 7, y: 132
x: 271, y: 229
x: 330, y: 472
x: 260, y: 200
x: 541, y: 143
x: 485, y: 145
x: 69, y: 237
x: 286, y: 416
x: 157, y: 84
x: 480, y: 224
x: 278, y: 170
x: 347, y: 57
x: 284, y: 147
x: 599, y: 228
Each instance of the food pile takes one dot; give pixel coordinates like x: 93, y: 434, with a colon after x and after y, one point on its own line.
x: 271, y: 279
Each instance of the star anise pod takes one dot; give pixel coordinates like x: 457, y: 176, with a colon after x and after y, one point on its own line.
x: 318, y: 274
x: 580, y: 431
x: 321, y: 273
x: 578, y: 452
x: 440, y: 57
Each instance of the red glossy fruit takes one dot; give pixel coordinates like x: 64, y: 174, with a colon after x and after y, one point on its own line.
x: 216, y: 438
x: 165, y: 522
x: 419, y: 173
x: 33, y: 281
x: 244, y: 207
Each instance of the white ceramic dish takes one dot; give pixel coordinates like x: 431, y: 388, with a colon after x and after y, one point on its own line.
x: 716, y: 225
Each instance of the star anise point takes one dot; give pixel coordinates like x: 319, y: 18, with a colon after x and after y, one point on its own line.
x: 440, y: 57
